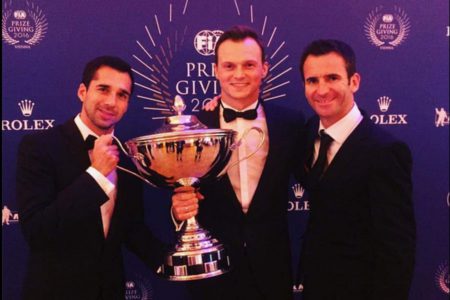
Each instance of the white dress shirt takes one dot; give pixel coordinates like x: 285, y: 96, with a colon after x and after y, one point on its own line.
x: 245, y: 176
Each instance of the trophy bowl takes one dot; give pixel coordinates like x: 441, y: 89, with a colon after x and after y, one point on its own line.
x: 184, y: 152
x: 183, y: 158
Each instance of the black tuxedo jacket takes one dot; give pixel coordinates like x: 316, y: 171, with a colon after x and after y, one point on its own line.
x: 360, y: 238
x: 259, y: 238
x: 59, y: 207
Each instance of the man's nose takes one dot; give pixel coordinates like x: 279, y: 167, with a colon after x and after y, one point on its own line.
x: 239, y: 72
x: 322, y: 88
x: 111, y: 99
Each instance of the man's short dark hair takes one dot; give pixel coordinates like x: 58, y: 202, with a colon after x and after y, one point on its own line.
x: 239, y: 33
x: 322, y: 47
x: 110, y: 61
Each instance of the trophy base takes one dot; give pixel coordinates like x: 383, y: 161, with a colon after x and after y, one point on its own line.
x: 196, y: 256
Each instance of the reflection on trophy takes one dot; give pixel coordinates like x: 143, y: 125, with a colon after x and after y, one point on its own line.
x: 184, y: 152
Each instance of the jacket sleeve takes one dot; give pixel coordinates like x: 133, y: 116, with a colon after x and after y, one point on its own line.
x: 393, y: 222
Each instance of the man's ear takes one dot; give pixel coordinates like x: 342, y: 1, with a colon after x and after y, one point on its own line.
x: 215, y: 71
x: 354, y: 82
x: 82, y: 90
x: 265, y: 69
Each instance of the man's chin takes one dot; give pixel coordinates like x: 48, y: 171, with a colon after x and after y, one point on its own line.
x: 106, y: 127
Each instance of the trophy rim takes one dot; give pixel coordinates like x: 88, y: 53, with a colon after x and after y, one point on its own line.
x: 181, y: 135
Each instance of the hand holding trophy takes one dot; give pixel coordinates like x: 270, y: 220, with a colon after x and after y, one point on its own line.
x: 184, y: 152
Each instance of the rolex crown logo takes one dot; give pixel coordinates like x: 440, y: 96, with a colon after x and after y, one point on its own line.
x: 26, y: 107
x: 384, y: 102
x: 298, y: 190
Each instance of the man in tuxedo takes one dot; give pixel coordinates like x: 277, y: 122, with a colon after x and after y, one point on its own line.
x: 247, y: 208
x: 76, y: 208
x: 360, y: 238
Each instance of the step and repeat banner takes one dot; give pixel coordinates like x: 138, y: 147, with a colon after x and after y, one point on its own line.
x: 402, y: 55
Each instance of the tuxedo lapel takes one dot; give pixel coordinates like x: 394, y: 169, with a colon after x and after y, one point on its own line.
x: 310, y: 141
x: 350, y: 149
x: 275, y: 143
x: 76, y: 151
x: 212, y: 120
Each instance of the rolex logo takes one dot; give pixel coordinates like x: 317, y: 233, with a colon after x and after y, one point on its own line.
x: 388, y: 119
x: 26, y: 107
x: 384, y: 102
x: 298, y: 190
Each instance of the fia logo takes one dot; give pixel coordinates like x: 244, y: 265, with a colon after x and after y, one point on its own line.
x: 26, y: 107
x: 384, y: 102
x: 138, y: 288
x: 298, y: 204
x: 23, y: 27
x: 205, y: 41
x: 442, y: 118
x: 8, y: 216
x: 387, y: 29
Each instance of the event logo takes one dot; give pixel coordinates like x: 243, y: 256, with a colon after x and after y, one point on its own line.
x: 8, y: 216
x: 384, y: 103
x: 387, y: 29
x: 441, y: 277
x: 23, y: 27
x: 165, y: 67
x: 138, y: 289
x: 205, y: 41
x: 442, y: 118
x: 298, y: 204
x: 26, y: 108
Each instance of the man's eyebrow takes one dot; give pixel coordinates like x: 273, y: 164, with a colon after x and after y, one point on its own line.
x: 125, y: 92
x: 102, y: 85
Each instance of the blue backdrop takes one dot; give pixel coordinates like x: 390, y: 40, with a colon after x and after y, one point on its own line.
x: 402, y: 50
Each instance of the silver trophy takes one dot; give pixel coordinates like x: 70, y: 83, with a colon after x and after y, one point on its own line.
x: 184, y: 152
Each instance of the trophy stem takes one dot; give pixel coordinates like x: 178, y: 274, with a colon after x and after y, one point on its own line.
x: 197, y: 255
x: 191, y: 225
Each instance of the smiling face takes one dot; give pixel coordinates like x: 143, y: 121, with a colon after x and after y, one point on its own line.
x: 240, y: 71
x: 105, y: 100
x: 327, y: 87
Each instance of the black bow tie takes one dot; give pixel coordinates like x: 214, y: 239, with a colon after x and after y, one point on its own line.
x: 230, y: 114
x: 89, y: 142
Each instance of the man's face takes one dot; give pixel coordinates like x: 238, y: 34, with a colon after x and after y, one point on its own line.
x: 327, y: 87
x: 105, y: 100
x: 240, y: 71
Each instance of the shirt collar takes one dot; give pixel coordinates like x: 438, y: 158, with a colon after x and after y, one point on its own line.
x: 251, y: 106
x: 340, y: 130
x: 84, y: 129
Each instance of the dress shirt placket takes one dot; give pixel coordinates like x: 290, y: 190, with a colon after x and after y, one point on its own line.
x: 107, y: 208
x: 243, y: 172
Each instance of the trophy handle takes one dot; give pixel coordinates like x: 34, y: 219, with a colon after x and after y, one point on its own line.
x: 235, y: 145
x: 130, y: 156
